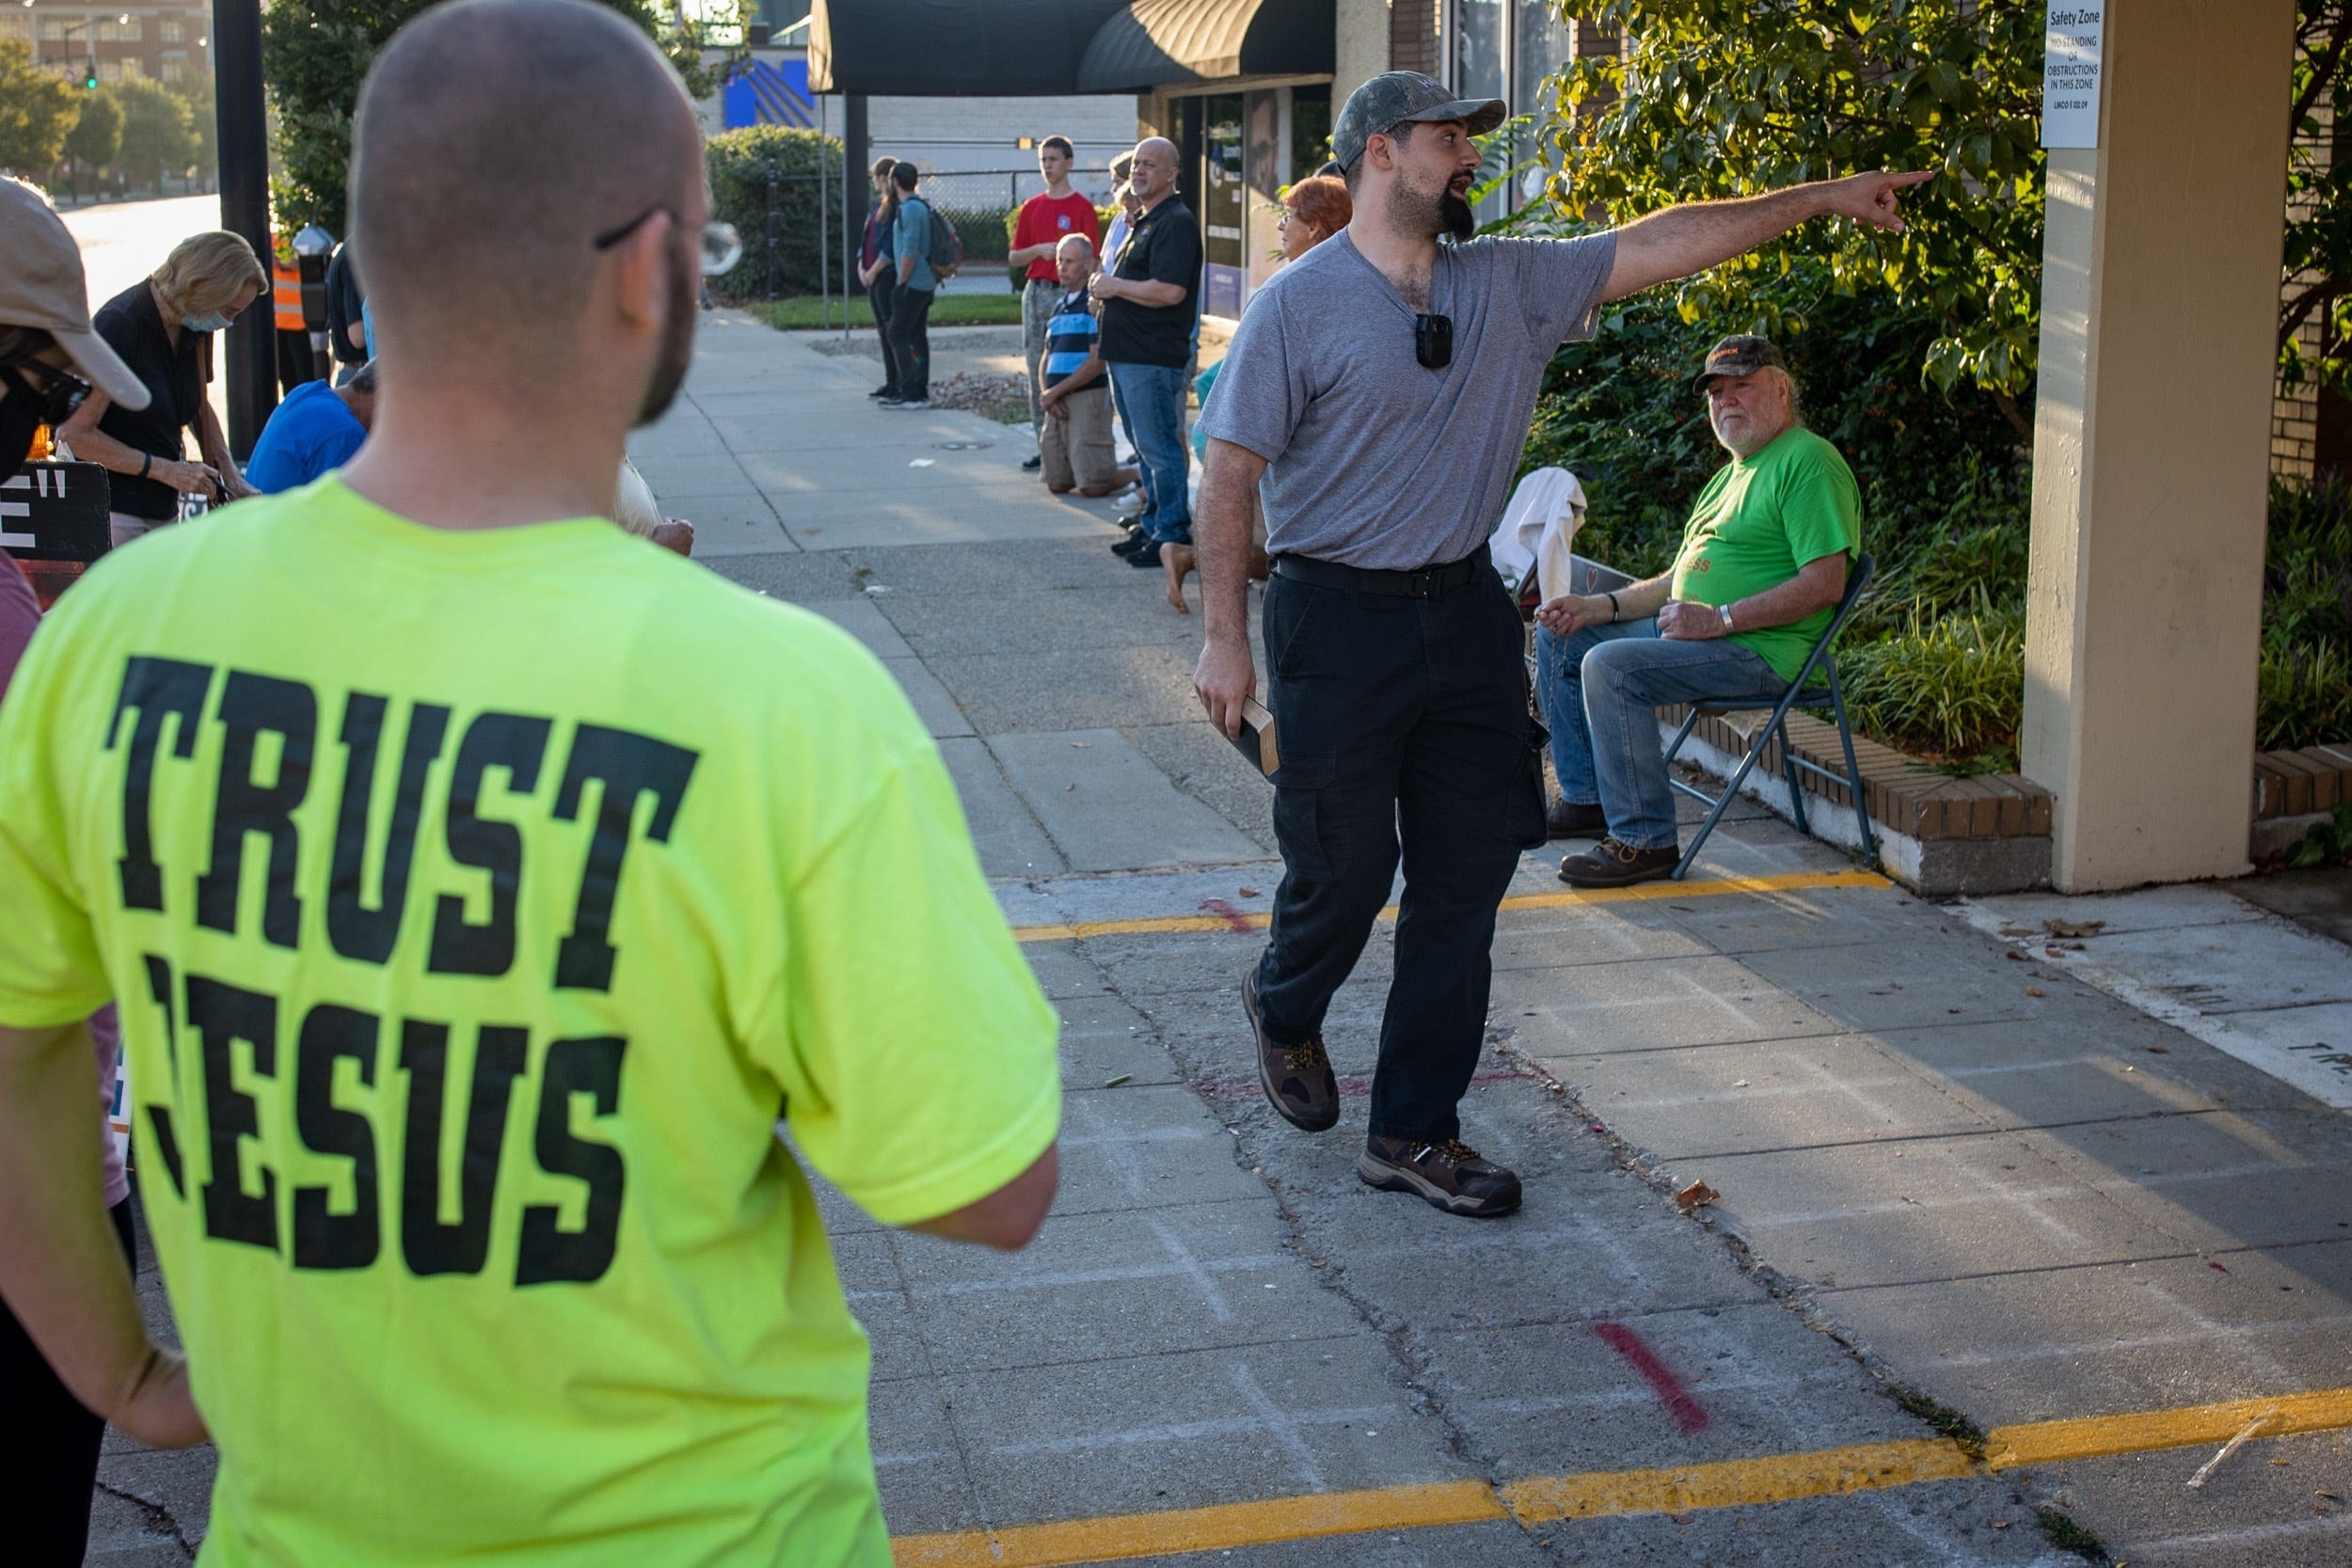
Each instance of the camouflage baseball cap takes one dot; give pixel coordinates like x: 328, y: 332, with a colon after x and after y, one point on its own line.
x: 1737, y: 355
x: 1393, y: 97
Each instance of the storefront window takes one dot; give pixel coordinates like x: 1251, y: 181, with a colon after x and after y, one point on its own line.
x: 1539, y: 47
x: 1478, y: 48
x: 1311, y: 131
x: 1223, y: 195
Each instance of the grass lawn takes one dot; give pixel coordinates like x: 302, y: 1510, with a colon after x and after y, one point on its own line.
x: 807, y: 312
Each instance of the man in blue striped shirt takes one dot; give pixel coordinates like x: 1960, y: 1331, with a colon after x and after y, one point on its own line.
x: 1073, y: 387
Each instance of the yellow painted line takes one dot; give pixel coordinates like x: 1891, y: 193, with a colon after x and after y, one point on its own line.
x: 1735, y: 1482
x: 1600, y: 1493
x: 2048, y: 1442
x: 1256, y: 920
x: 1203, y: 1530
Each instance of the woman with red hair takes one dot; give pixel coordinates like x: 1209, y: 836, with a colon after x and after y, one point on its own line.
x: 1313, y: 209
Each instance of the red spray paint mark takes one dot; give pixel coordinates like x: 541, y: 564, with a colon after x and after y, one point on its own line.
x: 1234, y: 919
x: 1679, y: 1401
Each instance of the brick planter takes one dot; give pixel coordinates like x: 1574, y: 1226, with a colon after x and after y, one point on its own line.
x: 1982, y: 833
x: 2294, y: 791
x: 1941, y: 834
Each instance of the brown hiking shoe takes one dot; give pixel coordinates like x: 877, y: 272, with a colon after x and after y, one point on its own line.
x: 1449, y: 1174
x: 1614, y: 864
x: 1297, y: 1078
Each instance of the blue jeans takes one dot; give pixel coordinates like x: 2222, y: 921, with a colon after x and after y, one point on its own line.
x: 1153, y: 398
x: 1601, y: 689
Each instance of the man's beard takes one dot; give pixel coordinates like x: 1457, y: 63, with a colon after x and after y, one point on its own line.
x: 677, y: 342
x: 1747, y: 444
x: 1455, y: 213
x: 1438, y: 211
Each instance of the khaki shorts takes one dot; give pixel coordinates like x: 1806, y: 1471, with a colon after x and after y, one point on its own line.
x: 1077, y: 451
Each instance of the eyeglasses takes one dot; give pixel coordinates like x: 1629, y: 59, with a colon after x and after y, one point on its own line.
x: 59, y: 396
x: 1433, y: 341
x: 721, y: 246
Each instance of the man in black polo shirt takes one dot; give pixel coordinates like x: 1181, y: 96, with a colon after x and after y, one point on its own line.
x: 1148, y: 293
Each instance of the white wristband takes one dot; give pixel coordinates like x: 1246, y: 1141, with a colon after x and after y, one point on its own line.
x: 1726, y: 615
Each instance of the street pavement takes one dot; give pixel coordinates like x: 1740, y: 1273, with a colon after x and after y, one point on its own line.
x: 1971, y: 1209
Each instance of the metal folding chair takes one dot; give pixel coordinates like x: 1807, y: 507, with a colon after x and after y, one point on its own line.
x: 1820, y: 661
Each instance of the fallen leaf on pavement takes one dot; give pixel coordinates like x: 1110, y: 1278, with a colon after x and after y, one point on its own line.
x: 2017, y: 931
x: 2033, y: 990
x: 1113, y: 1083
x: 2074, y: 928
x: 2218, y: 1268
x: 1249, y: 892
x: 2016, y: 955
x: 1694, y: 1195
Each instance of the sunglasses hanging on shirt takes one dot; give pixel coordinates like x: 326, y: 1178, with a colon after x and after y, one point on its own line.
x: 1433, y: 341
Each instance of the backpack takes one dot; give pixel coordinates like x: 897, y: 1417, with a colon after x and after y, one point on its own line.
x: 946, y: 251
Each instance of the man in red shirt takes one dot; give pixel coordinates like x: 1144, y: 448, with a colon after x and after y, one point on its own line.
x: 1044, y: 219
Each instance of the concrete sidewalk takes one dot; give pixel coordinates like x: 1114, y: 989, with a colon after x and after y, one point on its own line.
x: 1959, y: 1193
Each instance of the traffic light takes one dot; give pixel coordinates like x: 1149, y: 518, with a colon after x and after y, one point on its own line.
x: 90, y: 77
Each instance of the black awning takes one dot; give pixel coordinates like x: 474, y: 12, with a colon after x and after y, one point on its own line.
x: 1050, y: 48
x: 952, y: 48
x: 1151, y: 43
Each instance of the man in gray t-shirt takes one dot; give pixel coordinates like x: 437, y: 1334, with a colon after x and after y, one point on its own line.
x: 1376, y: 398
x: 1374, y: 461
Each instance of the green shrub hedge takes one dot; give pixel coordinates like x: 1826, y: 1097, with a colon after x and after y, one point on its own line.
x: 773, y: 182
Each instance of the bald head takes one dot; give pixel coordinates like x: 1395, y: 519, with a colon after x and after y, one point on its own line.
x: 1154, y: 175
x: 495, y: 141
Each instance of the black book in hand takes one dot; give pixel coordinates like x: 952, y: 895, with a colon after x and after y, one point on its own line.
x: 1256, y: 740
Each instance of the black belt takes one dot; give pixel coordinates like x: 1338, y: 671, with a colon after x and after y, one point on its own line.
x: 1428, y: 582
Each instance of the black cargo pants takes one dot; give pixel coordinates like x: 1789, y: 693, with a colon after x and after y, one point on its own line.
x: 1403, y: 729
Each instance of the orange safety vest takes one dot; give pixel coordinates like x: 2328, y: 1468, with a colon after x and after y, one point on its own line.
x: 286, y: 295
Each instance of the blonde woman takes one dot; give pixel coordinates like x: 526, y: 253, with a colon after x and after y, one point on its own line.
x: 163, y: 327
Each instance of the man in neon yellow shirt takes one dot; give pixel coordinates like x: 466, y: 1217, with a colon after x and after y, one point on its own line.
x: 1762, y: 567
x: 474, y: 919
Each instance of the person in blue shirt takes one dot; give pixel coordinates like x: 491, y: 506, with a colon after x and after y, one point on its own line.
x: 313, y: 432
x: 911, y: 301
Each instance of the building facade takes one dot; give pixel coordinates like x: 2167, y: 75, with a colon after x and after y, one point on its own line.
x: 1245, y: 137
x: 159, y: 40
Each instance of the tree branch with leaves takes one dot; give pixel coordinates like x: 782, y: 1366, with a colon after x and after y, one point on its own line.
x: 1724, y: 97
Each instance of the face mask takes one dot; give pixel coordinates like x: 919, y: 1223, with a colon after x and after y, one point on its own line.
x: 215, y: 322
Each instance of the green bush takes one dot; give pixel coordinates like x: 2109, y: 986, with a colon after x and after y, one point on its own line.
x: 772, y: 181
x: 2305, y: 693
x: 1950, y: 686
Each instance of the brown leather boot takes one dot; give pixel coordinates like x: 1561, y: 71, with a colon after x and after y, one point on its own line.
x: 1448, y: 1174
x: 1297, y: 1078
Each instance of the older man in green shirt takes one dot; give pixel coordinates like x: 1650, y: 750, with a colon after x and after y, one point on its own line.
x: 1761, y: 569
